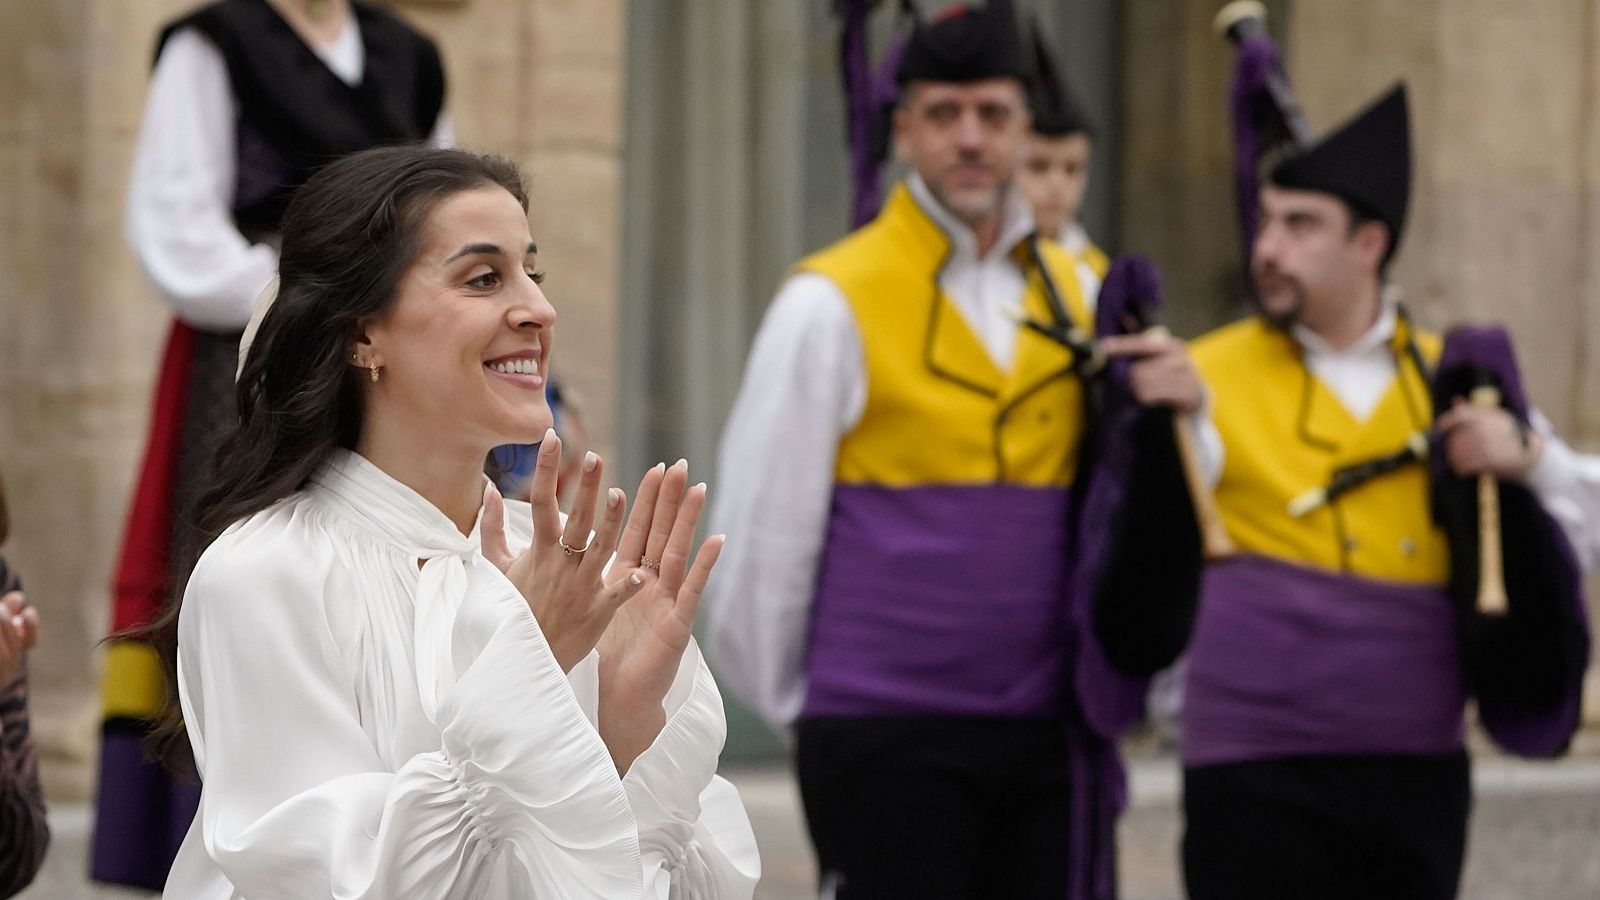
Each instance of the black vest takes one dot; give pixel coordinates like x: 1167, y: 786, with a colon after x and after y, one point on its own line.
x: 295, y: 114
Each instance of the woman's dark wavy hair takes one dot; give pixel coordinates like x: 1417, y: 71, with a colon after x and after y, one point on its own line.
x: 349, y: 234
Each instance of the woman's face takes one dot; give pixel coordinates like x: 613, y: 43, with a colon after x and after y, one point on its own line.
x: 465, y: 348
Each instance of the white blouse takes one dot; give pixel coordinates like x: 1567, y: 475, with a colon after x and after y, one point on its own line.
x: 364, y: 729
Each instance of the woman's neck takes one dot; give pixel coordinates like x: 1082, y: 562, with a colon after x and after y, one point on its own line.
x: 451, y: 478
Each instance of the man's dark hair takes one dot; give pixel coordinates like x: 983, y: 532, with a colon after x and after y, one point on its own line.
x: 1359, y: 216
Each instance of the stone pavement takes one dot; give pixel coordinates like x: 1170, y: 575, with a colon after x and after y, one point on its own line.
x: 1535, y: 834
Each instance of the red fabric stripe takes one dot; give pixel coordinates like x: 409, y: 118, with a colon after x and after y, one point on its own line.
x: 139, y: 585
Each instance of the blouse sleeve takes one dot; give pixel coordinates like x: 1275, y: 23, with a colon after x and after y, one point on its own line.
x: 695, y: 839
x: 694, y: 835
x: 519, y: 800
x: 178, y: 221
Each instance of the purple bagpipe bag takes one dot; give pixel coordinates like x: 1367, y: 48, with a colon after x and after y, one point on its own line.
x: 1137, y: 554
x: 869, y: 95
x: 1526, y: 667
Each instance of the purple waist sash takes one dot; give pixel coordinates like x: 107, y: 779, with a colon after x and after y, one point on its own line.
x: 941, y: 601
x: 1292, y: 661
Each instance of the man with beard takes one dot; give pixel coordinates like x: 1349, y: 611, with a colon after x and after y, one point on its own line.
x: 1323, y: 718
x: 898, y: 469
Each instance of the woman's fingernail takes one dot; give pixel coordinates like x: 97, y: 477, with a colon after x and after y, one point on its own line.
x: 635, y: 579
x: 549, y: 433
x: 681, y: 464
x: 613, y: 497
x: 661, y: 467
x: 590, y: 460
x: 701, y: 485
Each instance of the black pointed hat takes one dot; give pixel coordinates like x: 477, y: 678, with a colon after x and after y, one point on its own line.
x: 1055, y: 111
x: 1367, y: 163
x: 965, y: 43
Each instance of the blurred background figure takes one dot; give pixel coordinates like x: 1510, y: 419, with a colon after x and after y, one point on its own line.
x: 24, y: 834
x: 1055, y: 166
x: 246, y: 99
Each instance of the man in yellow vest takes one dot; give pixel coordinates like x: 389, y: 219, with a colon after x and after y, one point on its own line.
x: 1323, y: 709
x: 896, y: 480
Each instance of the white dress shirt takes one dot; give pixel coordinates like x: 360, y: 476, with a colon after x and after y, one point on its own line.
x: 1076, y: 239
x: 178, y: 219
x: 368, y: 729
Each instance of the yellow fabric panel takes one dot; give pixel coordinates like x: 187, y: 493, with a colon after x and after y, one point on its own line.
x: 133, y: 686
x: 938, y: 410
x: 1097, y: 259
x: 1283, y: 432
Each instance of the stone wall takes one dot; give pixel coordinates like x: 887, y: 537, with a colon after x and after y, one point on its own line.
x: 536, y: 80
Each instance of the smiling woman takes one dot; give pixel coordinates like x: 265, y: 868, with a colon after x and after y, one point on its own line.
x: 394, y: 683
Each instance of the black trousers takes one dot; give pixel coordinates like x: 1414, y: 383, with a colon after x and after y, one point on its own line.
x: 1340, y: 828
x: 936, y: 808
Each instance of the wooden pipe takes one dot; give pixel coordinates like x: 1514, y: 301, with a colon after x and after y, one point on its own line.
x: 1491, y: 568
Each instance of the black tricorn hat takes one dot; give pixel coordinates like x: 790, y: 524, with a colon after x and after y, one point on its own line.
x: 965, y: 43
x: 1367, y: 163
x: 1055, y: 111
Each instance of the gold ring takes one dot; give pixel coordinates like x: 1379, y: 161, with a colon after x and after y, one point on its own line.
x: 571, y: 550
x: 649, y: 563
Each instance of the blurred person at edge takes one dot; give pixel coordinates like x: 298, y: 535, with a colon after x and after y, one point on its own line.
x: 246, y: 98
x: 24, y: 832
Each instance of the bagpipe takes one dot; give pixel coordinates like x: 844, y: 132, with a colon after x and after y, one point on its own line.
x: 1514, y: 577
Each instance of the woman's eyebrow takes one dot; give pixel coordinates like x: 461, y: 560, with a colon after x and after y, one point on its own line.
x: 474, y: 250
x: 488, y: 249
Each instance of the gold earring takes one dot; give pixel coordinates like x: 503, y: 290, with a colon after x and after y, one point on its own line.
x: 372, y: 366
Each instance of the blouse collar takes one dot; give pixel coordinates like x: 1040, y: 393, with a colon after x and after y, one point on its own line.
x: 391, y: 511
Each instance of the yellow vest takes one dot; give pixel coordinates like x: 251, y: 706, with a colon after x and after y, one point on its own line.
x: 938, y: 409
x: 1283, y: 431
x: 1096, y: 259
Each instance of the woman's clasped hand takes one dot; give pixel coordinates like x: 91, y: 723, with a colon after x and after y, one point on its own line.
x: 629, y: 591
